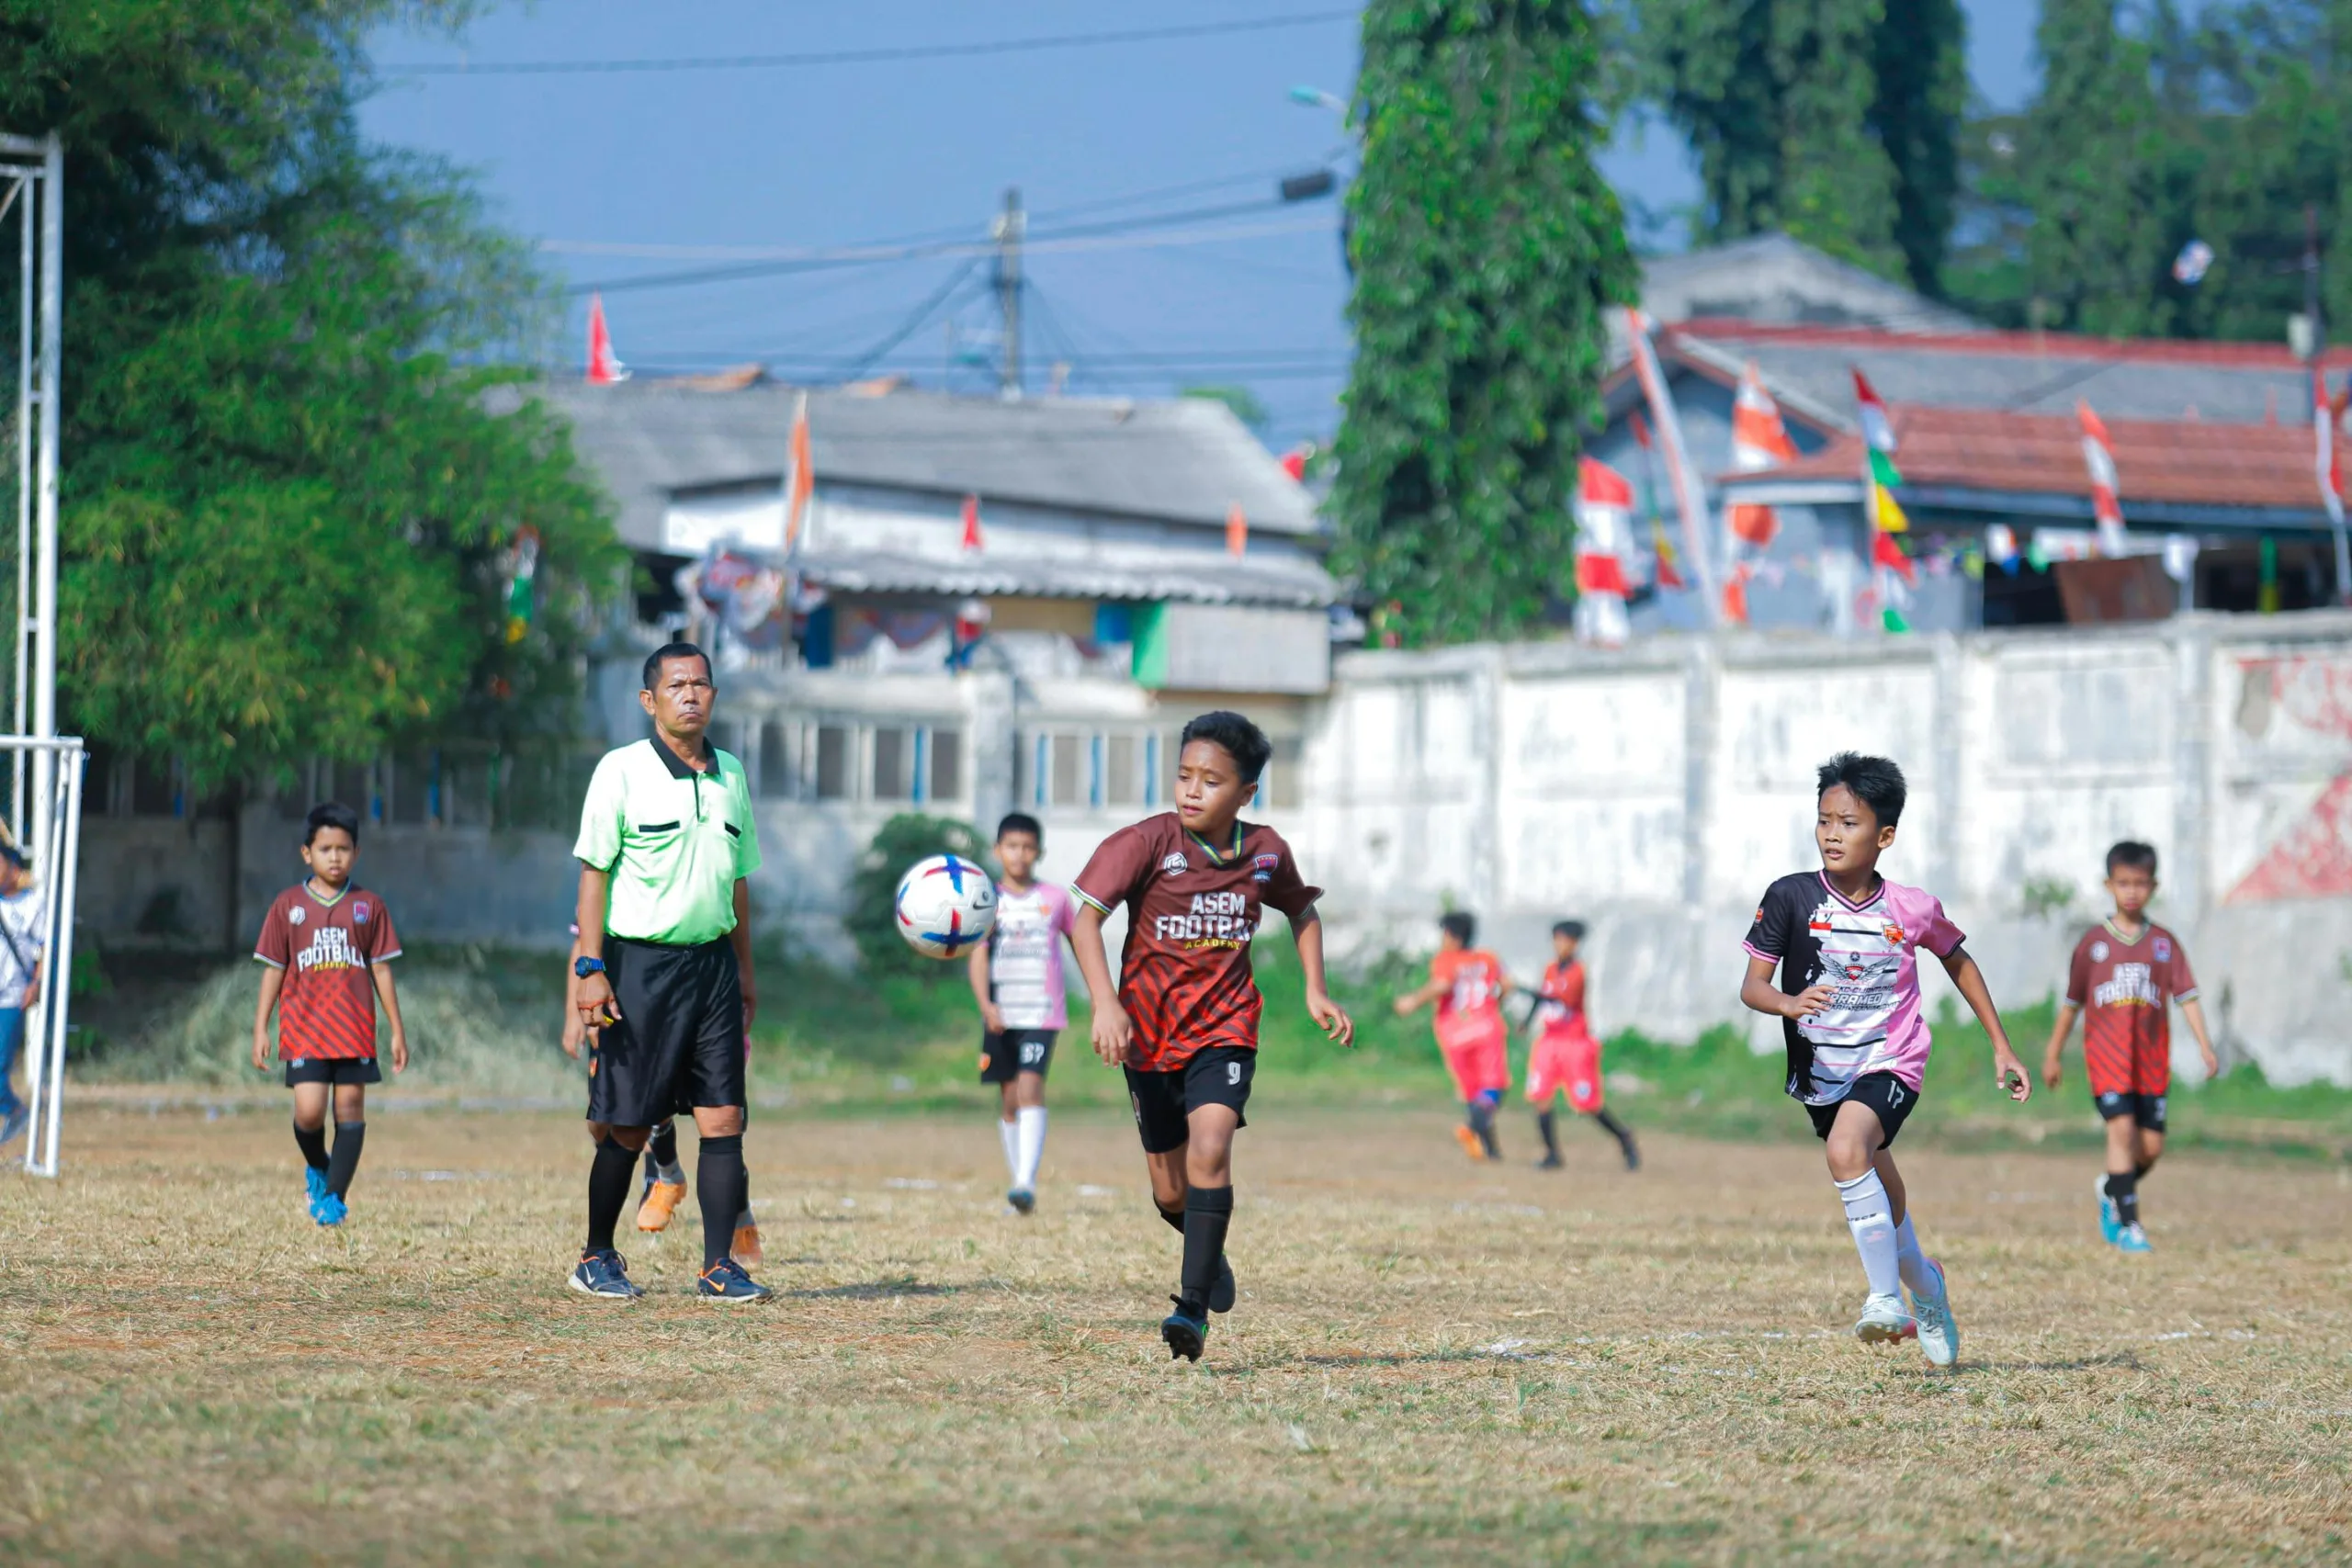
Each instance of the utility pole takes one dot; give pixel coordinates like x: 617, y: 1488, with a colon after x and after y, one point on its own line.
x: 1010, y: 226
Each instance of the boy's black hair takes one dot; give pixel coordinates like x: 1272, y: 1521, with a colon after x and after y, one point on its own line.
x: 329, y: 814
x: 1459, y: 924
x: 1243, y: 741
x: 2133, y: 854
x: 669, y: 650
x: 1572, y: 930
x: 1021, y: 822
x: 1876, y: 782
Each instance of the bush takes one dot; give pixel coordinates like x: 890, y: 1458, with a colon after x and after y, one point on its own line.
x: 905, y: 838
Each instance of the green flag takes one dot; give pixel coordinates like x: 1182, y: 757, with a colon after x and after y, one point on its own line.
x: 1882, y: 469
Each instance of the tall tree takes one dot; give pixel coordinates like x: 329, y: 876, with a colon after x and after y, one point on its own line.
x: 1921, y: 60
x: 1486, y: 248
x: 287, y: 493
x: 1782, y: 102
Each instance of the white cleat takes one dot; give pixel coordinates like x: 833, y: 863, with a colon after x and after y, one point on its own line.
x: 1939, y: 1335
x: 1885, y: 1321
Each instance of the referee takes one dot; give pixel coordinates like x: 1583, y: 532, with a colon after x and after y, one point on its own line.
x: 664, y: 967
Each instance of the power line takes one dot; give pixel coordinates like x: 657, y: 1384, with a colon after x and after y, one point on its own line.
x: 894, y: 53
x: 915, y: 320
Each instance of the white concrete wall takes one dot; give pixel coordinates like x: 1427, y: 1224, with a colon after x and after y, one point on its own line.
x: 1654, y: 794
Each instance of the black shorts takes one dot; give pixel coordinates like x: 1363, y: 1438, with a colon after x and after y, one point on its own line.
x: 332, y: 1069
x: 1006, y: 1053
x: 2146, y: 1110
x: 1217, y: 1075
x: 679, y: 1042
x: 1884, y: 1093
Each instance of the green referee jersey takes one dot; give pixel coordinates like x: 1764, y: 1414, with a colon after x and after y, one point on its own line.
x: 674, y: 840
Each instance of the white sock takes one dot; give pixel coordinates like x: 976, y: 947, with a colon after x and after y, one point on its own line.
x: 1914, y: 1262
x: 1869, y: 1217
x: 675, y: 1175
x: 1009, y: 1131
x: 1031, y: 1139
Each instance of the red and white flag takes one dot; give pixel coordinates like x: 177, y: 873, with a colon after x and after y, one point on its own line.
x: 604, y: 368
x: 2329, y: 467
x: 1604, y: 514
x: 1758, y: 441
x: 1237, y: 531
x: 1878, y: 429
x: 973, y: 541
x: 2099, y: 457
x: 799, y: 474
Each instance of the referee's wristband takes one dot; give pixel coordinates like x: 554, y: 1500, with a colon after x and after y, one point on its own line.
x: 583, y: 967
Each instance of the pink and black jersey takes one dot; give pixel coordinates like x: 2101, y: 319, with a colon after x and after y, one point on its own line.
x: 327, y: 1009
x: 1867, y: 952
x: 1025, y: 956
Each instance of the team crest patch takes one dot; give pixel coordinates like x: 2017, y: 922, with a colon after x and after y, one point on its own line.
x: 1261, y: 869
x: 1893, y: 933
x: 1176, y: 864
x: 359, y: 913
x: 2163, y: 950
x: 2098, y: 953
x: 295, y: 914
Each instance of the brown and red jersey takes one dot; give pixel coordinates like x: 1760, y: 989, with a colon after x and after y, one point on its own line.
x: 2126, y: 990
x: 1192, y: 911
x: 327, y: 1008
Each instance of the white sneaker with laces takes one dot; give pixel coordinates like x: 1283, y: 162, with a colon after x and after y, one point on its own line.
x: 1883, y: 1320
x: 1939, y: 1335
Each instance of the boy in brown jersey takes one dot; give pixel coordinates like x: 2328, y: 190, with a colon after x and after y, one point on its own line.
x: 1183, y: 1016
x: 2126, y: 972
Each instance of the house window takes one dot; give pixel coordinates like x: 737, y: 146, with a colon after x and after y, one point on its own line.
x: 946, y: 770
x: 1068, y: 770
x: 1122, y: 783
x: 1279, y: 787
x: 775, y: 762
x: 894, y: 764
x: 833, y: 761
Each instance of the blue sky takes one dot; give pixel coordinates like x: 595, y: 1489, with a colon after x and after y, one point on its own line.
x: 843, y: 154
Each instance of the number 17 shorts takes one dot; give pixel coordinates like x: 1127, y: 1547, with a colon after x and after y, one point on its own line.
x: 1566, y: 1061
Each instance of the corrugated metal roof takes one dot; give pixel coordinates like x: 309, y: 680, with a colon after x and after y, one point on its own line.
x: 1218, y: 580
x: 1772, y: 277
x: 1184, y: 460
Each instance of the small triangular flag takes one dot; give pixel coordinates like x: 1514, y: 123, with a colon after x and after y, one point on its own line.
x: 972, y: 539
x: 1237, y: 531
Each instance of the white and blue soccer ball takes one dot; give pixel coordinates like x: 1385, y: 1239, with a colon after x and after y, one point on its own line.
x: 944, y: 906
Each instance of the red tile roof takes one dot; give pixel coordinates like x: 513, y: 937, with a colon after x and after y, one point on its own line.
x: 2182, y: 462
x: 2051, y: 346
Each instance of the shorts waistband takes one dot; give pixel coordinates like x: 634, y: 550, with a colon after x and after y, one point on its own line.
x: 643, y: 946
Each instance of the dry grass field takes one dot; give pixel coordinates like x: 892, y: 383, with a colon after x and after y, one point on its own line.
x: 1431, y: 1361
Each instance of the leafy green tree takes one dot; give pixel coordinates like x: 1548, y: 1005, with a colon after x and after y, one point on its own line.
x: 1921, y: 60
x: 290, y: 488
x: 1783, y: 101
x: 1247, y: 406
x: 1487, y: 248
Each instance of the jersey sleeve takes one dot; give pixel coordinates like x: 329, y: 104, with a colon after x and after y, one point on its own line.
x: 274, y: 946
x: 383, y: 941
x: 1572, y: 988
x: 1770, y: 934
x: 1286, y: 889
x: 1062, y: 910
x: 2184, y: 980
x: 599, y: 845
x: 2078, y: 974
x: 747, y: 841
x: 1941, y: 937
x: 1116, y: 868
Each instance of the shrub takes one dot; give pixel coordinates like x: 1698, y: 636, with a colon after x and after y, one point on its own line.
x: 905, y: 838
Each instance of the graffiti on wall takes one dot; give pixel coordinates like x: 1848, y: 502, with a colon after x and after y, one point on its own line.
x: 2313, y: 859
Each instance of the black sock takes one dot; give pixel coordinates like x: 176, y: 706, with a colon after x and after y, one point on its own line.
x: 607, y: 1191
x: 1208, y: 1212
x: 718, y: 1170
x: 1551, y: 1131
x: 345, y: 1161
x: 313, y: 1142
x: 2125, y: 1190
x: 1482, y: 1122
x: 661, y: 1148
x: 2140, y: 1171
x: 1175, y: 1218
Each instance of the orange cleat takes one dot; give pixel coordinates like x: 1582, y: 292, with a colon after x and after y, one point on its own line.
x: 747, y: 1242
x: 661, y: 1200
x: 1469, y: 1139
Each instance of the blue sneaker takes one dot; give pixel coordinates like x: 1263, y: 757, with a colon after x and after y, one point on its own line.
x: 725, y: 1280
x: 2110, y: 1223
x: 1023, y: 1201
x: 604, y: 1275
x: 330, y: 1210
x: 2131, y: 1238
x: 13, y: 1127
x: 314, y: 1185
x: 1183, y: 1333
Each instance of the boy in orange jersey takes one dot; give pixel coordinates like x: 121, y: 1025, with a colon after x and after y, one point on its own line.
x: 1565, y: 1056
x: 1467, y: 985
x: 2125, y: 971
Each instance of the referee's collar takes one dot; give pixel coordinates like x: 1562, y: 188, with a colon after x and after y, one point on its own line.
x: 677, y: 764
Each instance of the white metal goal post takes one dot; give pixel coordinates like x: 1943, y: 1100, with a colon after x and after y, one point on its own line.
x: 56, y: 869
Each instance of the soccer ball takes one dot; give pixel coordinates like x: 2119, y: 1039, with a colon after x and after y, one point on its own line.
x: 944, y: 905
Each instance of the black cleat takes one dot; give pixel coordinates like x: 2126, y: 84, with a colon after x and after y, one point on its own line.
x: 1632, y: 1155
x: 1550, y: 1161
x: 1185, y: 1334
x: 1024, y: 1200
x: 1222, y: 1290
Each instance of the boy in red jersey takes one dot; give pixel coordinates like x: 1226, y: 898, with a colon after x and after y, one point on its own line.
x: 1467, y: 985
x: 326, y: 944
x: 2124, y: 972
x: 1183, y: 1016
x: 1566, y: 1057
